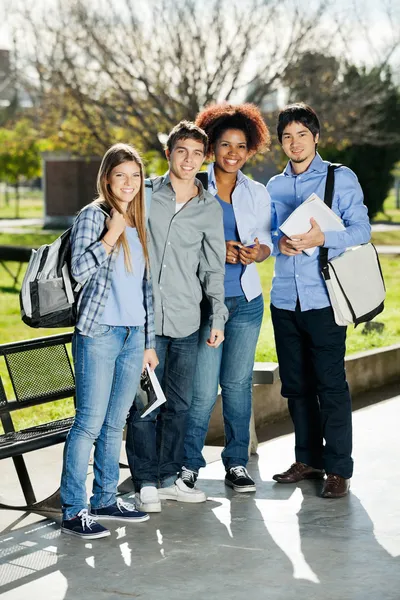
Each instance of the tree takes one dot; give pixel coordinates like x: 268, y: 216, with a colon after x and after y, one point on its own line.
x: 360, y: 118
x: 19, y: 156
x: 140, y: 67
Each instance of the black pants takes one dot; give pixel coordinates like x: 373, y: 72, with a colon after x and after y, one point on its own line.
x: 311, y: 350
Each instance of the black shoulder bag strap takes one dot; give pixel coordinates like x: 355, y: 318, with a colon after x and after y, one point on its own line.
x: 328, y: 198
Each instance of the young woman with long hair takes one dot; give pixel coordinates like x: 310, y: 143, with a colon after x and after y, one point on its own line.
x: 113, y: 340
x: 235, y: 133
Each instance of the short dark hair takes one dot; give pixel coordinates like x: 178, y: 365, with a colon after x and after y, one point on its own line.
x: 299, y: 113
x: 217, y: 118
x: 187, y: 130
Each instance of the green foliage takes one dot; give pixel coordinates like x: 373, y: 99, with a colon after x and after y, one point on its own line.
x: 373, y: 166
x: 19, y: 153
x: 359, y: 110
x: 155, y: 163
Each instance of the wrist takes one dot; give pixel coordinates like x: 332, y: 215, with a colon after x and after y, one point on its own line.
x: 109, y: 239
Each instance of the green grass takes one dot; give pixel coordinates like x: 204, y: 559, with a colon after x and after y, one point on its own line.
x: 12, y: 328
x: 386, y: 238
x: 30, y: 205
x: 389, y: 212
x: 356, y: 341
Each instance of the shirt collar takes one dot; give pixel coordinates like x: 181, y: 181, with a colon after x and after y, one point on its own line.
x: 212, y: 183
x: 317, y: 164
x: 166, y: 180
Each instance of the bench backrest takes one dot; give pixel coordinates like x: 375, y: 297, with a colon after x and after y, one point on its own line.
x: 40, y: 371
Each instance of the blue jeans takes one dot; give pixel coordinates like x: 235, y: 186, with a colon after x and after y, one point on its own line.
x: 232, y: 366
x: 107, y: 373
x: 154, y: 444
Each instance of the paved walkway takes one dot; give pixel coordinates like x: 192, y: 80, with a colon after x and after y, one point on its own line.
x: 282, y: 543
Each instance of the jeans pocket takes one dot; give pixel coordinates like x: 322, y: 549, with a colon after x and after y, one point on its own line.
x: 101, y: 330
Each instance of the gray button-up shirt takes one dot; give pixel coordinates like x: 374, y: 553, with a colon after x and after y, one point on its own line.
x: 187, y: 256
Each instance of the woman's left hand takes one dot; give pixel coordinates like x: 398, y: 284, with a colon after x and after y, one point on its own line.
x: 249, y: 255
x: 150, y: 358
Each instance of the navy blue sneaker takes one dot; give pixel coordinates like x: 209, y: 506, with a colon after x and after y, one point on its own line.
x: 120, y: 511
x: 84, y: 526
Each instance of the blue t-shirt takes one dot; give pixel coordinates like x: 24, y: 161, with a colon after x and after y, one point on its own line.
x: 125, y: 301
x: 233, y: 273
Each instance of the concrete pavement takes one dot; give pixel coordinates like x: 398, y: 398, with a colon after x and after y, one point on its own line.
x: 282, y: 543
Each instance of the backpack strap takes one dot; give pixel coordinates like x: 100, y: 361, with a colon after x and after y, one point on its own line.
x: 104, y: 208
x: 202, y: 176
x: 148, y: 189
x: 328, y: 199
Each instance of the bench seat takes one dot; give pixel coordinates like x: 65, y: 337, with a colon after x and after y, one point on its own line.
x: 15, y: 443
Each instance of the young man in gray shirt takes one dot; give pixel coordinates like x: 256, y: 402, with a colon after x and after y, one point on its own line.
x: 187, y: 259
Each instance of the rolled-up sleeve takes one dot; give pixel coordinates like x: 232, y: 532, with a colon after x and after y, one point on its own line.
x: 212, y: 269
x: 276, y: 233
x: 353, y: 213
x: 87, y: 252
x: 264, y: 217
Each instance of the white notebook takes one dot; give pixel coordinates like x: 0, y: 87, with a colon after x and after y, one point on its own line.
x: 299, y: 220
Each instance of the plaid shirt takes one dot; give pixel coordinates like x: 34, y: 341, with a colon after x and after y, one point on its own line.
x: 92, y: 267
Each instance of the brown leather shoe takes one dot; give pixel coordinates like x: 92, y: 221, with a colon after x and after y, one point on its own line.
x: 335, y: 486
x: 297, y: 472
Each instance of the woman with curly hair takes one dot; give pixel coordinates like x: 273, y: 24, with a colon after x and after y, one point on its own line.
x: 235, y: 133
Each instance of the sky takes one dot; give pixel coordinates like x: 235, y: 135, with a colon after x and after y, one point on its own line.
x: 372, y: 11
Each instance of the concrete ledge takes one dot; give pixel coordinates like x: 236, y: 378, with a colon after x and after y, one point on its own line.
x: 373, y: 368
x: 364, y: 370
x: 265, y: 373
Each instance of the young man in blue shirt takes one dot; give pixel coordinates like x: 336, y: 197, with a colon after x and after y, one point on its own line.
x: 310, y: 345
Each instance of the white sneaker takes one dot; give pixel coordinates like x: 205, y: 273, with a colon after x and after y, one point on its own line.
x: 181, y: 492
x: 148, y: 500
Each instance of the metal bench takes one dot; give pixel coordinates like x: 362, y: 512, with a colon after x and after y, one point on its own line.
x: 40, y: 371
x: 18, y: 254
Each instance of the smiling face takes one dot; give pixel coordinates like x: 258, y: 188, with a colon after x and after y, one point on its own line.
x: 298, y: 144
x: 185, y: 158
x: 124, y: 182
x: 231, y: 151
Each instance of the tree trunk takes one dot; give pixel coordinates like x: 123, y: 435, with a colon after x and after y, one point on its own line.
x: 17, y: 198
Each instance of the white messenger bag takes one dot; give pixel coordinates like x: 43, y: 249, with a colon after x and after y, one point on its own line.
x: 353, y: 279
x: 355, y: 285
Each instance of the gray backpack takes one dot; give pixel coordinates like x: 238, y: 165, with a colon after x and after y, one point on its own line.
x: 49, y: 293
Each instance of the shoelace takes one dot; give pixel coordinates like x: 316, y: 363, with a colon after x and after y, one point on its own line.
x: 296, y: 467
x: 86, y: 519
x: 239, y: 471
x: 333, y: 480
x: 121, y: 504
x: 187, y: 475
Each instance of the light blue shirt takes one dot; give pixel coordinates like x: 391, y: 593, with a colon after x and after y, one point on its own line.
x: 233, y: 273
x: 299, y: 276
x: 125, y: 302
x: 252, y: 209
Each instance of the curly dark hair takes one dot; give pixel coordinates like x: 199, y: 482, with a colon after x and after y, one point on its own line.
x: 217, y: 118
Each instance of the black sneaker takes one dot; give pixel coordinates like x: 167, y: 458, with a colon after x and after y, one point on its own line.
x: 239, y: 479
x: 189, y: 477
x: 84, y: 526
x: 120, y: 511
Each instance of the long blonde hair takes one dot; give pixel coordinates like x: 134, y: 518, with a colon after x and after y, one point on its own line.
x: 116, y: 155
